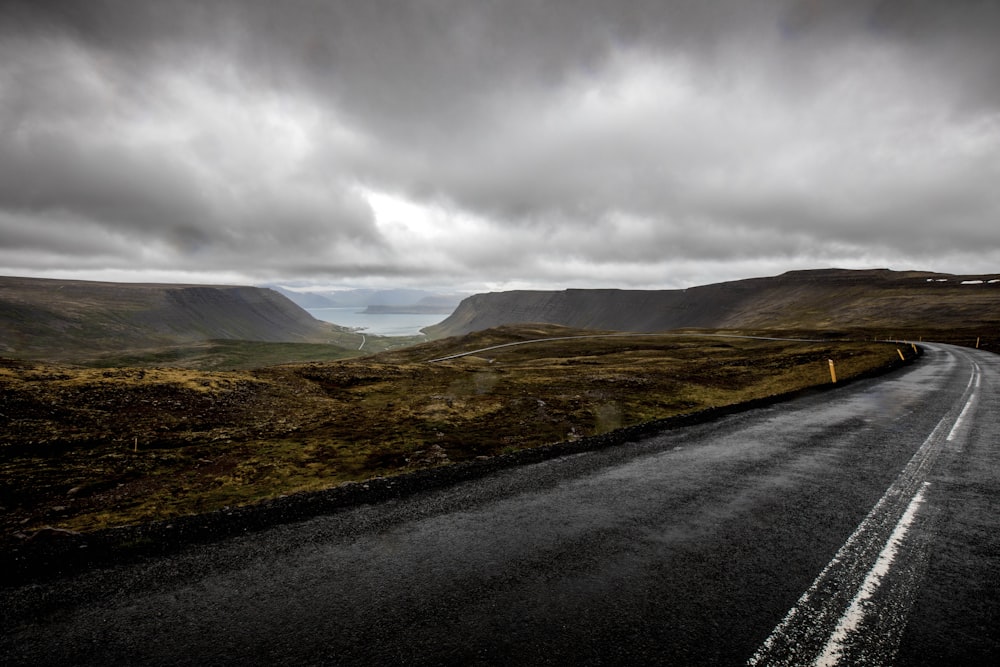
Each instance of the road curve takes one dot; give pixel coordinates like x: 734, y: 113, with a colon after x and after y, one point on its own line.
x: 851, y: 527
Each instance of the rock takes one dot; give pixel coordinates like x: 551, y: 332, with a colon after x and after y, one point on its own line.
x: 425, y: 458
x: 49, y: 533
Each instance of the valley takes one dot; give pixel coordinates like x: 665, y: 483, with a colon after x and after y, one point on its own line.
x: 128, y: 404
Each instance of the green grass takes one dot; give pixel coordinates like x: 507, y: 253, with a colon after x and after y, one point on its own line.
x: 245, y: 355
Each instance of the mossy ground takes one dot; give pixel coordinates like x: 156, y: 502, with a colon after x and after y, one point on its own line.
x: 244, y: 355
x: 84, y: 448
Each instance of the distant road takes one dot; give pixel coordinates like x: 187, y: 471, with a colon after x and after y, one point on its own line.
x: 467, y: 353
x: 856, y: 526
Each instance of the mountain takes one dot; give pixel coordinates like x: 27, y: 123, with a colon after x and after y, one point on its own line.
x: 827, y: 299
x: 38, y: 316
x: 411, y: 309
x: 390, y: 300
x: 304, y: 299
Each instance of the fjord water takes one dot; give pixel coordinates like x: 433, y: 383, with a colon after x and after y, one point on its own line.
x: 379, y: 324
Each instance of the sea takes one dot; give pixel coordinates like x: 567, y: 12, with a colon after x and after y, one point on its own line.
x: 377, y: 324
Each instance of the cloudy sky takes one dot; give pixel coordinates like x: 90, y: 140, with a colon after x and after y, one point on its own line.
x: 497, y: 144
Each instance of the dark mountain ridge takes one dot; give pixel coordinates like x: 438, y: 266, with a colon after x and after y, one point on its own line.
x: 42, y: 318
x: 38, y: 315
x: 818, y: 300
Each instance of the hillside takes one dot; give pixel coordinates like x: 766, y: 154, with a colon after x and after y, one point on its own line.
x: 40, y: 317
x: 831, y: 299
x: 86, y: 448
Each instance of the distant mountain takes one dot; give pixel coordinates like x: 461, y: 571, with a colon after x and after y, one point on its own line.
x: 442, y: 301
x: 38, y: 316
x: 376, y: 300
x: 829, y: 299
x: 412, y: 309
x: 304, y: 299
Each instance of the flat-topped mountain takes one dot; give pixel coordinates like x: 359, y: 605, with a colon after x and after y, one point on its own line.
x: 61, y: 319
x: 38, y: 316
x: 817, y: 300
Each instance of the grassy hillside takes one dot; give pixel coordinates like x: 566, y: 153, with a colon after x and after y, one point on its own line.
x: 69, y: 320
x: 87, y: 448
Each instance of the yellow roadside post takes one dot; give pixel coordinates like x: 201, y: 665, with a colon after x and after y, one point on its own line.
x: 900, y: 353
x: 977, y: 342
x: 833, y: 372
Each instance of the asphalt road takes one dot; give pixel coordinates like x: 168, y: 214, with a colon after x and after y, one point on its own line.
x: 858, y: 526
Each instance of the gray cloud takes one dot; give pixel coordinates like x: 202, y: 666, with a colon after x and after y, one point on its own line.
x: 441, y: 142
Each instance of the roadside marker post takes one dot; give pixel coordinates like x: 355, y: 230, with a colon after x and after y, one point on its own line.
x: 833, y: 372
x: 977, y: 342
x: 900, y: 353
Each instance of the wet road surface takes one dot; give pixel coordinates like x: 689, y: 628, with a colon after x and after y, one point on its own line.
x: 858, y: 526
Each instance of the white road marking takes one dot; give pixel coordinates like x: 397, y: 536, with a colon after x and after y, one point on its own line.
x: 811, y: 626
x: 976, y: 375
x: 849, y: 622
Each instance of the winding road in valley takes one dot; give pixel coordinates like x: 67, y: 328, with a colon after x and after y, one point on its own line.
x: 856, y: 526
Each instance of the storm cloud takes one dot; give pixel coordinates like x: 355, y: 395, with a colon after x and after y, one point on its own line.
x: 478, y: 145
